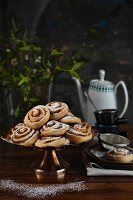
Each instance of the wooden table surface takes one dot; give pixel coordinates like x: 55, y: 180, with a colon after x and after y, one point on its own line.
x: 16, y: 168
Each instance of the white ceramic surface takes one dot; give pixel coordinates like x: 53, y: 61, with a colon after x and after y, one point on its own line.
x: 103, y: 94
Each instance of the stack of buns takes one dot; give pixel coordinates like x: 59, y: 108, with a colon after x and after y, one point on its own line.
x: 50, y: 125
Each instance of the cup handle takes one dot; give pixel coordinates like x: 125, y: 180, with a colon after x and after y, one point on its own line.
x: 122, y: 120
x: 126, y: 96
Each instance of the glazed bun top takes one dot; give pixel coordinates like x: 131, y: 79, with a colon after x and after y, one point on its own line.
x: 37, y: 117
x: 82, y: 129
x: 120, y: 152
x: 57, y: 109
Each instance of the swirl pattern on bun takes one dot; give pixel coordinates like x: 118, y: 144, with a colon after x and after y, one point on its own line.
x: 120, y: 155
x: 69, y: 118
x: 25, y: 136
x: 79, y: 133
x: 54, y: 128
x: 13, y: 129
x: 37, y: 117
x: 17, y: 126
x: 57, y: 110
x: 52, y: 142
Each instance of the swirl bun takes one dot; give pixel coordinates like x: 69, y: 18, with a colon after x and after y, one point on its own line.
x: 37, y: 117
x: 25, y: 136
x: 54, y: 128
x: 69, y: 118
x: 120, y: 155
x: 79, y: 133
x: 51, y: 142
x: 57, y: 110
x: 19, y: 125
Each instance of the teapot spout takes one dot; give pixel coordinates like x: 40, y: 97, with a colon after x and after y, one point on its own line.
x: 81, y: 97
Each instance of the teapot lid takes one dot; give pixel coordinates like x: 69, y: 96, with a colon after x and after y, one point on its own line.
x: 101, y: 85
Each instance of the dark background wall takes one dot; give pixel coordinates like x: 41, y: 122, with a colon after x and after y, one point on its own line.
x: 66, y: 24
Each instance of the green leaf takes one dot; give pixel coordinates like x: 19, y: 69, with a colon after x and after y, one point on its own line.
x: 25, y: 36
x: 23, y: 80
x: 46, y: 75
x: 77, y: 65
x: 56, y: 52
x: 32, y: 99
x: 26, y: 48
x: 35, y: 48
x: 14, y: 25
x: 17, y: 110
x: 25, y: 98
x: 61, y: 69
x: 13, y: 37
x: 21, y: 75
x: 27, y: 68
x: 74, y: 74
x: 16, y: 80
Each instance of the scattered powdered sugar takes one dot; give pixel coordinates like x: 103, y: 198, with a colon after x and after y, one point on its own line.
x: 39, y: 190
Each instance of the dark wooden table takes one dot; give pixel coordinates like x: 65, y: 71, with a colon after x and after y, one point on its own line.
x: 16, y: 165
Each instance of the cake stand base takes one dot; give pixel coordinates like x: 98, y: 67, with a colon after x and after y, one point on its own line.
x: 50, y: 164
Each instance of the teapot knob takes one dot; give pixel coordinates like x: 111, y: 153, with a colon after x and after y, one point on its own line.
x: 102, y: 74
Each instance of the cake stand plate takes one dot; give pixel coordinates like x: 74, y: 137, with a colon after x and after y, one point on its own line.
x: 51, y: 163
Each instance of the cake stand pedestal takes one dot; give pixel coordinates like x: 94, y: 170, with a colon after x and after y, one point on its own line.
x: 50, y: 163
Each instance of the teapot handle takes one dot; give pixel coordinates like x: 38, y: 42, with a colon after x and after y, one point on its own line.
x: 126, y: 96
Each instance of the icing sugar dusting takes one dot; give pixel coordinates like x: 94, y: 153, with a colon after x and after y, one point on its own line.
x: 39, y: 191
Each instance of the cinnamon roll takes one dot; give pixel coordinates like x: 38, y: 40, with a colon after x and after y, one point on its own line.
x: 52, y: 142
x: 57, y: 109
x: 17, y: 126
x: 79, y: 133
x: 25, y: 136
x: 120, y: 155
x: 69, y: 118
x: 13, y: 129
x: 37, y: 117
x: 54, y: 128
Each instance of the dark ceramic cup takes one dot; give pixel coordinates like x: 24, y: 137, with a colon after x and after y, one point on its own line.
x: 108, y: 117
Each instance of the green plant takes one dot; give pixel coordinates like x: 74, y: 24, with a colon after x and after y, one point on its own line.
x: 28, y: 68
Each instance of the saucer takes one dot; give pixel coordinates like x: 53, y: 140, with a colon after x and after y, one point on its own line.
x: 97, y: 154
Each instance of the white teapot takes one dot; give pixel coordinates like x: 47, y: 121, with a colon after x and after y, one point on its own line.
x: 102, y: 94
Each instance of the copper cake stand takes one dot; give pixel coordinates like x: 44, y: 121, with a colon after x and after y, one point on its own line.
x: 51, y: 163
